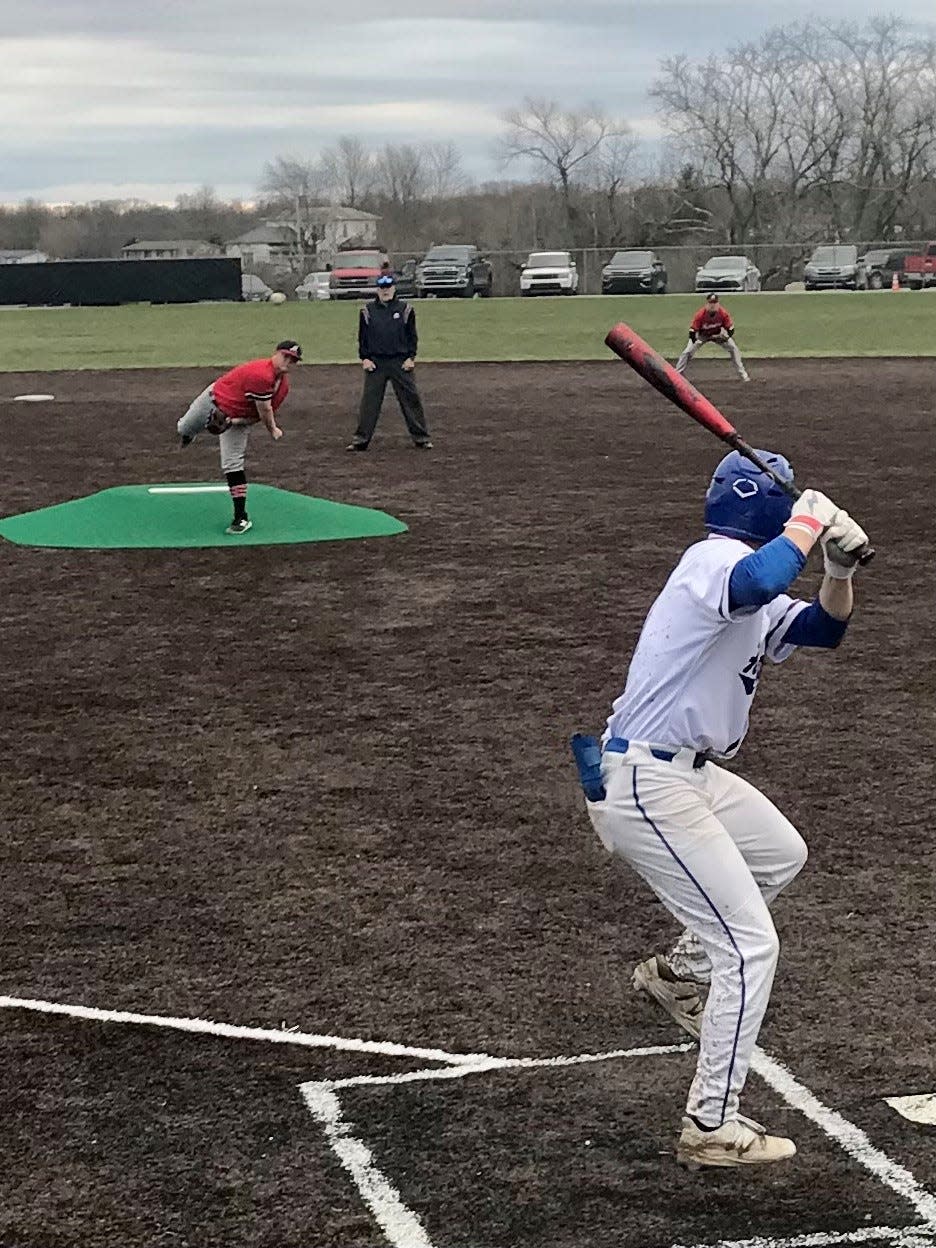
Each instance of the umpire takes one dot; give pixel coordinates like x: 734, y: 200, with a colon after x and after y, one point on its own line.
x: 387, y: 346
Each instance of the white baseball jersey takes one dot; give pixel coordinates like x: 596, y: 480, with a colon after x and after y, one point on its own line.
x: 693, y: 675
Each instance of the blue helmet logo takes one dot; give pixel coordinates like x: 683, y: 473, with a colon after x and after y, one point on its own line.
x: 744, y: 502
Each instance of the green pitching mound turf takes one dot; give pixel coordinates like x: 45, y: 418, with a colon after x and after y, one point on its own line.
x: 145, y: 516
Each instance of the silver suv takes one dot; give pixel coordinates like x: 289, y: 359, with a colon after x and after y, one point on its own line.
x: 835, y: 267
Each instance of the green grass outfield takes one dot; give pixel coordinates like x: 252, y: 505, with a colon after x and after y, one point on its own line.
x: 842, y: 323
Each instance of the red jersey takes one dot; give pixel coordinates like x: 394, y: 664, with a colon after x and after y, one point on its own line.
x: 710, y: 320
x: 237, y: 391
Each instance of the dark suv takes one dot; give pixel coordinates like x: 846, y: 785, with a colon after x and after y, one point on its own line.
x: 881, y: 265
x: 634, y: 273
x: 454, y: 269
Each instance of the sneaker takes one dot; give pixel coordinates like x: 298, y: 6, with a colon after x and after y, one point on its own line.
x: 356, y: 446
x: 739, y: 1142
x: 239, y: 526
x: 681, y: 998
x: 423, y: 446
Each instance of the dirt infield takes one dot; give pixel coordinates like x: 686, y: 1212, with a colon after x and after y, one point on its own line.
x: 327, y: 788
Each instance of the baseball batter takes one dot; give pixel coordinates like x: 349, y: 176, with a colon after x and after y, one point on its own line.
x: 713, y: 848
x: 249, y: 394
x: 712, y: 323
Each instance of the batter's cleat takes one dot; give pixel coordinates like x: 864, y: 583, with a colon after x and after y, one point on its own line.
x: 237, y: 527
x: 739, y: 1142
x: 681, y: 998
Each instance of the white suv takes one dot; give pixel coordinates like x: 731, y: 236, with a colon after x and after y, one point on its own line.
x: 314, y: 286
x: 549, y: 273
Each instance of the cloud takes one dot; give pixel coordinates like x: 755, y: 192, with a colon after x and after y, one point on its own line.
x: 192, y: 91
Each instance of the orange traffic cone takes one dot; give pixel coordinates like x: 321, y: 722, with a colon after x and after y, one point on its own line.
x: 895, y: 281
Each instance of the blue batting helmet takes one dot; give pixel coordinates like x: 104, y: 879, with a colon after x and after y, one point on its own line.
x: 741, y: 501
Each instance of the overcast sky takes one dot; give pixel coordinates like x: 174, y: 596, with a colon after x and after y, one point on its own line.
x: 108, y: 99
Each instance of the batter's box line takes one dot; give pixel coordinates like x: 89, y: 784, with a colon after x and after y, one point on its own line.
x: 322, y: 1100
x: 403, y: 1228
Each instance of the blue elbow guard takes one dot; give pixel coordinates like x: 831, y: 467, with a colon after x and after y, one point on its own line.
x: 759, y: 577
x: 587, y: 753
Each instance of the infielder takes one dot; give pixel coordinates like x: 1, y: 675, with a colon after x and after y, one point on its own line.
x: 712, y: 323
x: 249, y: 394
x: 714, y: 849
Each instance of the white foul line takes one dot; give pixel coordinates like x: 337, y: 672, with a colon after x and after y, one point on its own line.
x: 230, y: 1031
x: 849, y: 1137
x: 899, y: 1237
x: 187, y: 489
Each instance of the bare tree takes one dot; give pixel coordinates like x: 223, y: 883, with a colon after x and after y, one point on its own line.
x: 349, y: 170
x: 559, y: 142
x: 297, y: 187
x: 444, y: 174
x: 817, y: 127
x: 403, y: 177
x: 288, y: 178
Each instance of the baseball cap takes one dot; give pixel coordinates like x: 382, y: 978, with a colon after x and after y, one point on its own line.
x: 386, y: 279
x: 290, y: 348
x: 712, y: 298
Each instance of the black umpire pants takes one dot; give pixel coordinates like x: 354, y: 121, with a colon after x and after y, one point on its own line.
x: 390, y: 368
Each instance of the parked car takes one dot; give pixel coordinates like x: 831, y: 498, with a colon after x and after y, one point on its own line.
x: 454, y: 269
x: 881, y: 265
x: 920, y: 270
x: 728, y: 273
x: 549, y: 273
x: 354, y: 274
x: 314, y: 286
x: 254, y: 289
x: 835, y: 267
x: 634, y: 273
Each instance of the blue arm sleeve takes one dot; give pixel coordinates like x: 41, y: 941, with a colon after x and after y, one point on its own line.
x: 760, y: 576
x: 815, y: 627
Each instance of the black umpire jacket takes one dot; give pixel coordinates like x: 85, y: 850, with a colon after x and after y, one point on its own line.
x: 387, y: 330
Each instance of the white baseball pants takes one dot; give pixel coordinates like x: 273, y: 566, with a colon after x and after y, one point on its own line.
x: 729, y: 346
x: 232, y: 444
x: 715, y: 851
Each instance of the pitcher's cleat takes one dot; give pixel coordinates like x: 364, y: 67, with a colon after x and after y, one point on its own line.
x: 185, y: 439
x: 681, y: 998
x: 238, y: 527
x: 739, y: 1142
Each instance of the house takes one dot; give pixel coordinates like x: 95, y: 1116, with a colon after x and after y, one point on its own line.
x: 311, y: 230
x: 169, y: 249
x: 327, y: 227
x: 22, y: 255
x: 271, y: 243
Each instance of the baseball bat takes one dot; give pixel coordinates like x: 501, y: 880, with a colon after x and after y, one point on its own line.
x: 651, y: 366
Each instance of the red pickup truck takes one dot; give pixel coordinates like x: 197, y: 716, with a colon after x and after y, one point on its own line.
x: 920, y: 270
x: 354, y: 274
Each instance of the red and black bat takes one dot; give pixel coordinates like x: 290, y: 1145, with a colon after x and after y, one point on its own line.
x: 642, y: 358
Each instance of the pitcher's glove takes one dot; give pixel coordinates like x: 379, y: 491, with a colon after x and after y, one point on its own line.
x: 217, y: 422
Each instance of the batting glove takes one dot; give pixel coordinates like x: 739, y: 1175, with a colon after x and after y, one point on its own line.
x: 841, y: 545
x: 812, y: 513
